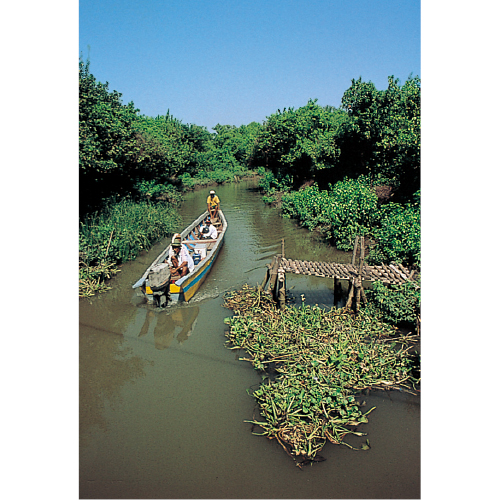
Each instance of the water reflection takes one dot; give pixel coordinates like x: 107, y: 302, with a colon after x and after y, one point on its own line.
x: 164, y: 326
x: 109, y: 366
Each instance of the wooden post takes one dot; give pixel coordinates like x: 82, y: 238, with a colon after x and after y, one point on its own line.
x: 337, y: 290
x: 351, y: 294
x: 350, y: 291
x: 363, y: 296
x: 275, y: 265
x: 355, y: 250
x: 281, y: 286
x: 266, y: 278
x: 358, y: 287
x: 283, y: 247
x: 362, y: 256
x: 360, y: 293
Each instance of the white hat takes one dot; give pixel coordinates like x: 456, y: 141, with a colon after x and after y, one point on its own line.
x: 176, y: 240
x: 212, y: 192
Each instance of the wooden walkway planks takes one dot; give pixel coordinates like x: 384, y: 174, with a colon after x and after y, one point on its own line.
x: 393, y: 273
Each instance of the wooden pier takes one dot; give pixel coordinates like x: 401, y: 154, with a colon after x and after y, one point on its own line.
x: 392, y: 274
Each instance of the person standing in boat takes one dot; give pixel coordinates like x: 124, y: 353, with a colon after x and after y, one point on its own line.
x: 213, y: 204
x: 179, y: 260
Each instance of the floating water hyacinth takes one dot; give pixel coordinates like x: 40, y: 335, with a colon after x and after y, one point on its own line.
x: 322, y: 360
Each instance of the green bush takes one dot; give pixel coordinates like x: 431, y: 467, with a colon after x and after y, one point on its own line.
x: 395, y: 304
x: 347, y: 210
x: 120, y: 231
x: 187, y: 181
x: 117, y: 234
x: 270, y: 184
x: 398, y: 234
x: 150, y: 188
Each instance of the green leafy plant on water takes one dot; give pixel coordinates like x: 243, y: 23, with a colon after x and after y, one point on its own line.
x: 323, y: 360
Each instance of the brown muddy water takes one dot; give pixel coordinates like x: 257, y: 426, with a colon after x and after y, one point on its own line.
x: 163, y: 401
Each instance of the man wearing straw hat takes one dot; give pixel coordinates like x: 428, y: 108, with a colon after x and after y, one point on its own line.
x: 179, y: 260
x: 213, y: 204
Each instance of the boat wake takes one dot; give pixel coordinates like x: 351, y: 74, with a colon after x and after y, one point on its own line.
x: 200, y: 297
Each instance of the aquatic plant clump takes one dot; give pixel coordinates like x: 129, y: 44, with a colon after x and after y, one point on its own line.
x: 322, y: 359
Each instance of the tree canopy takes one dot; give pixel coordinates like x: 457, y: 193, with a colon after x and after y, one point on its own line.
x: 296, y: 144
x: 374, y: 133
x: 386, y: 127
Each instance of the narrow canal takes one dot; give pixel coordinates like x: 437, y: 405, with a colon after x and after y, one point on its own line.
x: 163, y: 402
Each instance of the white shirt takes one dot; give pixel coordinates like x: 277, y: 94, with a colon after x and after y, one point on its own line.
x: 183, y: 256
x: 212, y: 232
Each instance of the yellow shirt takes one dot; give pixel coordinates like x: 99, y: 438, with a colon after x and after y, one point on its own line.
x: 213, y: 201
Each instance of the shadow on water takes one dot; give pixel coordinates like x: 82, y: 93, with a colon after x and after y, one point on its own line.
x: 163, y: 401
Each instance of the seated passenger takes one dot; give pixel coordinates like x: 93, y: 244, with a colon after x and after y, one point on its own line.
x: 209, y: 232
x: 179, y: 260
x: 203, y: 230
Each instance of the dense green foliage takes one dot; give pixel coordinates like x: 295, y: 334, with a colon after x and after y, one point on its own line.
x: 228, y: 154
x: 385, y: 128
x: 108, y: 146
x: 375, y: 133
x: 341, y: 213
x: 117, y: 234
x: 296, y: 144
x: 398, y: 233
x: 349, y: 209
x: 396, y: 304
x: 167, y: 147
x: 323, y: 360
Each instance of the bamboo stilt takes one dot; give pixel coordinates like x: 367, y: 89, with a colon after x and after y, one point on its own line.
x: 274, y: 272
x: 351, y: 295
x: 266, y: 279
x: 281, y: 289
x: 362, y: 256
x: 358, y: 299
x: 363, y: 296
x: 355, y: 250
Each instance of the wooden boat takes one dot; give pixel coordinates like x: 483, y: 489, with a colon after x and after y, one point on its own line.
x: 156, y: 283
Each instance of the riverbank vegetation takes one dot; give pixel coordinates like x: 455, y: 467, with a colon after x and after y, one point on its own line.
x: 118, y: 233
x: 316, y: 365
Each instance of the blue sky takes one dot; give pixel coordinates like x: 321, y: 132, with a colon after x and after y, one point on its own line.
x: 234, y: 62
